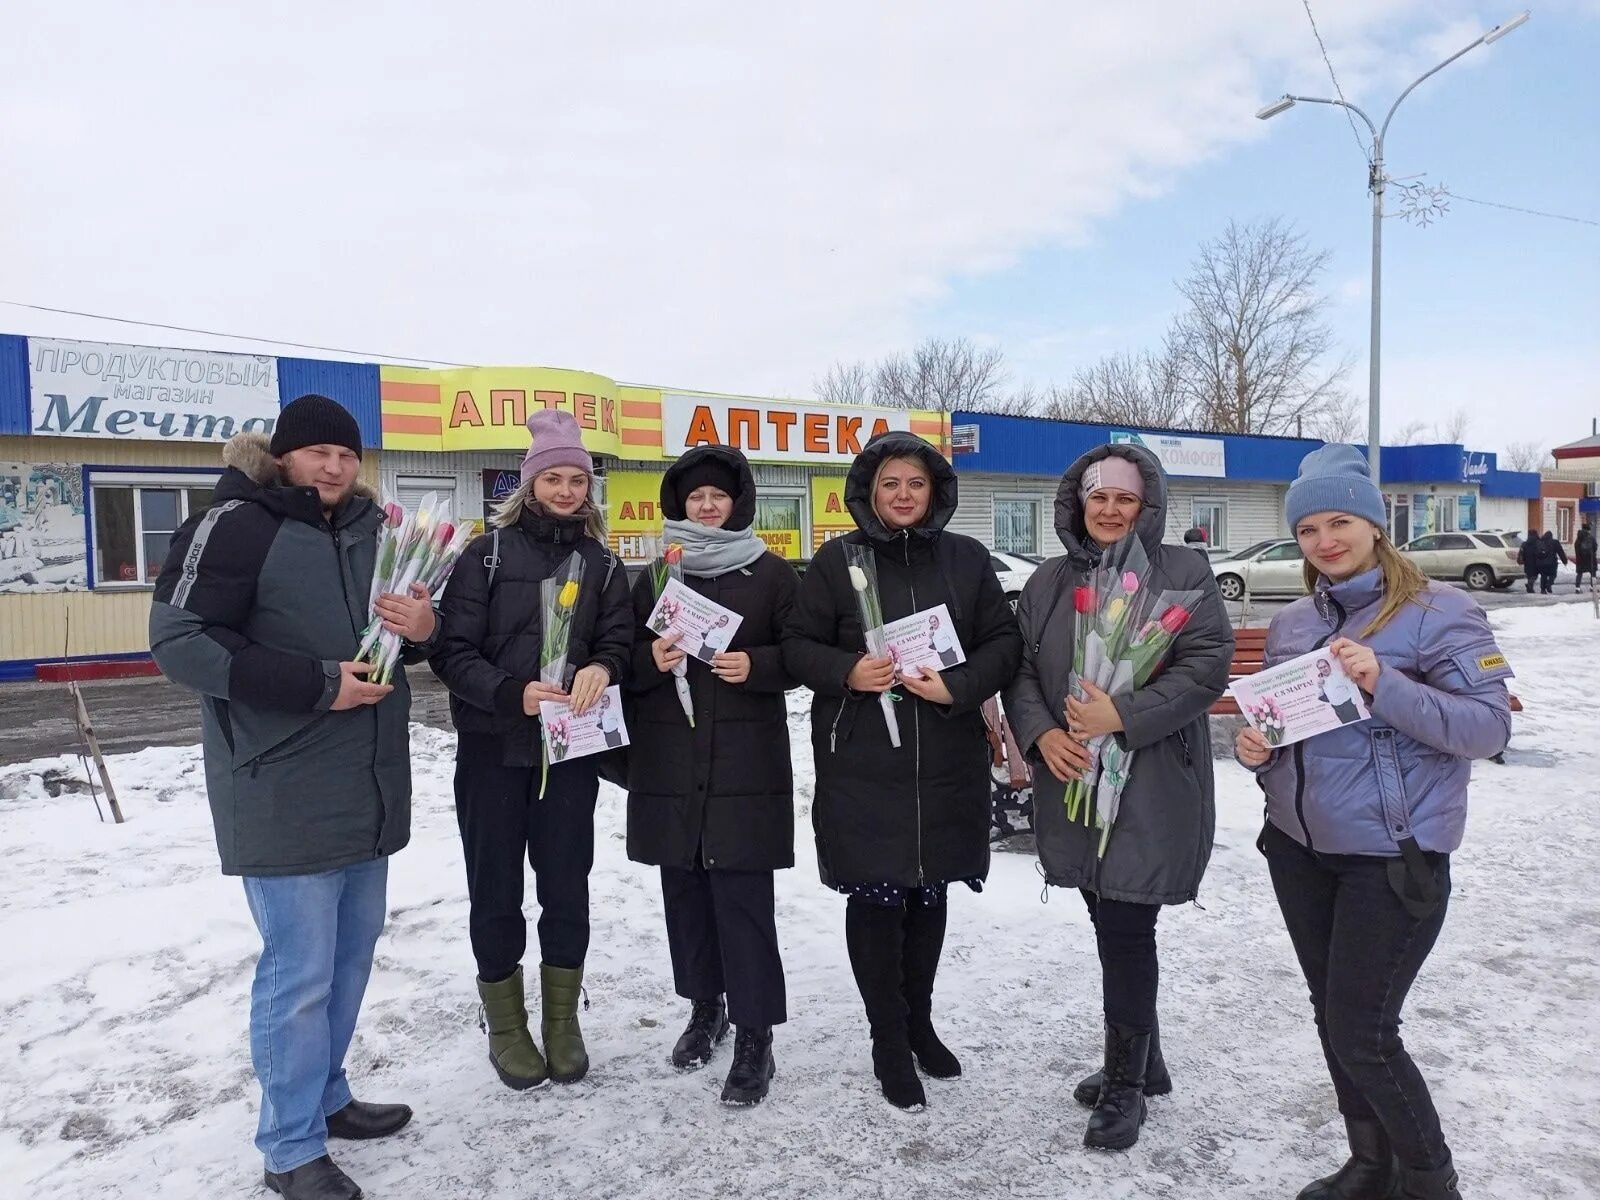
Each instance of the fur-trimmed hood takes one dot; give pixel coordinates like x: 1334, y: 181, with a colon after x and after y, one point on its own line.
x: 251, y: 455
x: 253, y: 474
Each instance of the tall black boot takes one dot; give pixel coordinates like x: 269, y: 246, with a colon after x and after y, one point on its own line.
x: 1372, y: 1173
x: 1117, y: 1116
x: 1157, y: 1079
x: 875, y: 935
x: 1437, y: 1184
x: 924, y: 934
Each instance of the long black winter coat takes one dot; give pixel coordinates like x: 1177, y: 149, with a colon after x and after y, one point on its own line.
x: 1583, y: 551
x: 918, y: 814
x: 492, y: 637
x: 723, y: 791
x: 1161, y: 842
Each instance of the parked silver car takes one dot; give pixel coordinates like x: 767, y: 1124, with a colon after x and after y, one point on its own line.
x: 1480, y: 560
x: 1275, y: 568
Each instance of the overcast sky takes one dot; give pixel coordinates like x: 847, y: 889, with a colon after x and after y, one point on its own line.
x: 730, y: 197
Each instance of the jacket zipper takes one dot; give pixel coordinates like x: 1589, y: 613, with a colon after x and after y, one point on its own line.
x: 833, y: 734
x: 344, y: 586
x: 916, y: 720
x: 1300, y: 747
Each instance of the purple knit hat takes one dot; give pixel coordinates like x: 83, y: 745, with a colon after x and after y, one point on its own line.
x: 557, y: 442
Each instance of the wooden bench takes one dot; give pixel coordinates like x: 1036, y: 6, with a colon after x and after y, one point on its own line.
x: 1249, y: 656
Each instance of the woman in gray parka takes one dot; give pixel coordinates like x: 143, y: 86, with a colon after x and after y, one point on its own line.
x: 1162, y: 839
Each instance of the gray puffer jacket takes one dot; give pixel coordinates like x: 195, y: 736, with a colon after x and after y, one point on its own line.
x: 260, y: 600
x: 1161, y: 844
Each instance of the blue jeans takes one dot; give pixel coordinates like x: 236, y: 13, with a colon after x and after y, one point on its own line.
x: 317, y: 937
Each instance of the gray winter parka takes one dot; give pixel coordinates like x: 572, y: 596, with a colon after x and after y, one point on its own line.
x: 1161, y: 844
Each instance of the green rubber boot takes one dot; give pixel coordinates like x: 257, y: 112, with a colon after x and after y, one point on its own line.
x: 563, y: 1040
x: 512, y: 1050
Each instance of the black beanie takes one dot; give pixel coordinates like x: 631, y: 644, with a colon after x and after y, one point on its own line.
x: 314, y: 420
x: 708, y: 472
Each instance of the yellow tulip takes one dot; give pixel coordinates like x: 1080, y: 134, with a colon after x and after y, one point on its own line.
x: 1115, y: 609
x: 569, y: 594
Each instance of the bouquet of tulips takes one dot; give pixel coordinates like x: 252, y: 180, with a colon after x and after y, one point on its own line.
x: 1122, y: 637
x: 1268, y: 719
x: 558, y: 602
x: 864, y: 583
x: 667, y: 563
x: 420, y: 547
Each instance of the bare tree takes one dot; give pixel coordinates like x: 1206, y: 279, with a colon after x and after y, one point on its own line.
x: 845, y: 383
x: 1342, y: 420
x: 1525, y: 456
x: 1454, y: 430
x: 942, y: 375
x: 1409, y: 434
x: 1025, y: 401
x: 1253, y: 344
x: 1141, y: 389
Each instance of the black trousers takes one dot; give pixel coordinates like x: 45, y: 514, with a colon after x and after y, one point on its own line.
x: 1361, y: 950
x: 502, y: 819
x: 723, y: 934
x: 1547, y: 580
x: 1532, y: 572
x: 1130, y: 973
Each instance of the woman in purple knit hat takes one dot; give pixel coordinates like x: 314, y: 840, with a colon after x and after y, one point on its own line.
x: 489, y: 658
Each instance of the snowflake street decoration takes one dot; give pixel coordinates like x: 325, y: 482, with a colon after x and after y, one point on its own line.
x: 1423, y: 203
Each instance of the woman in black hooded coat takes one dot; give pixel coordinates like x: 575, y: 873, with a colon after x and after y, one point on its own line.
x: 896, y: 825
x: 713, y: 805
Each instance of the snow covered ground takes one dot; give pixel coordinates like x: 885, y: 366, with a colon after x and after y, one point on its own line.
x: 125, y: 962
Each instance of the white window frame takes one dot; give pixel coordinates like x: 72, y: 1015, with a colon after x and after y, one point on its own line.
x: 1038, y: 518
x: 1445, y: 514
x: 1221, y: 505
x: 134, y: 480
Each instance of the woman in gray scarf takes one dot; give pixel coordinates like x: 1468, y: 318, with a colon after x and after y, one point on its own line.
x: 712, y: 804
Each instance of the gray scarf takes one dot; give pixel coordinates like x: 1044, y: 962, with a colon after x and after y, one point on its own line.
x: 709, y: 551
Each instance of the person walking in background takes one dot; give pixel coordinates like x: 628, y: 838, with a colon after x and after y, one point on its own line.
x: 1108, y: 499
x: 1529, y: 554
x: 507, y: 807
x: 1552, y: 557
x: 712, y: 804
x: 897, y: 824
x: 1583, y: 556
x: 1362, y: 820
x: 1196, y: 539
x: 260, y: 608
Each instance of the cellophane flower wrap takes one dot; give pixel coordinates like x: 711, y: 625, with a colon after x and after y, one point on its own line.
x: 666, y: 563
x: 419, y: 547
x: 863, y: 571
x: 558, y: 602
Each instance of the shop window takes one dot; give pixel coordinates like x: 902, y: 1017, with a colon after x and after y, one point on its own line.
x: 1212, y: 516
x: 1016, y: 526
x: 1564, y: 515
x: 1444, y: 514
x: 135, y: 516
x: 1399, y: 508
x: 778, y: 522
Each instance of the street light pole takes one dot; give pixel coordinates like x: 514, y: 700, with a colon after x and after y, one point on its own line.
x: 1376, y: 183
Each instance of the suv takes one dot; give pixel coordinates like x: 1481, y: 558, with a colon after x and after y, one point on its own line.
x: 1480, y: 560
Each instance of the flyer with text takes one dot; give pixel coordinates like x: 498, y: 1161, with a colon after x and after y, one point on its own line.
x: 568, y: 735
x: 924, y: 639
x: 1299, y: 699
x: 704, y: 627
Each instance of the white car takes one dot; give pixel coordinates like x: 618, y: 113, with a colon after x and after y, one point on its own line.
x: 1480, y: 560
x: 1266, y: 569
x: 1013, y: 571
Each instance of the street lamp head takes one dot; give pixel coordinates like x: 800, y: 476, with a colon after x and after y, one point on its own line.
x: 1282, y: 104
x: 1499, y: 31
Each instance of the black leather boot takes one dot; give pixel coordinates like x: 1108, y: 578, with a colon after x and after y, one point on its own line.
x: 1117, y: 1116
x: 1157, y: 1080
x: 875, y: 935
x: 1372, y: 1173
x: 361, y: 1122
x: 318, y: 1179
x: 753, y: 1066
x: 1438, y: 1184
x: 924, y: 942
x: 708, y: 1025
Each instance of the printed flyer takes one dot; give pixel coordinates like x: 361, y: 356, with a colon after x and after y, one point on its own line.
x: 567, y: 735
x: 703, y: 626
x: 1299, y: 699
x: 924, y: 639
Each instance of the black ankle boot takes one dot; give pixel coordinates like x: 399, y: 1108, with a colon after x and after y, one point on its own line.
x: 875, y: 935
x: 708, y: 1025
x: 924, y: 941
x: 1371, y: 1174
x: 1157, y: 1079
x: 318, y: 1179
x: 753, y: 1066
x: 1438, y: 1184
x: 1117, y: 1116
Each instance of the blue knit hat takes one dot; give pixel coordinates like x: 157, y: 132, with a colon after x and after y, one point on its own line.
x: 1334, y: 479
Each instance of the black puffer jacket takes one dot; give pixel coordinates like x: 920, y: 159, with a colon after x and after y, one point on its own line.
x: 725, y: 788
x: 490, y: 648
x: 1161, y: 843
x: 918, y: 814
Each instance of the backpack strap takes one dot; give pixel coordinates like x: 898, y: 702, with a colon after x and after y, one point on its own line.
x: 493, y: 561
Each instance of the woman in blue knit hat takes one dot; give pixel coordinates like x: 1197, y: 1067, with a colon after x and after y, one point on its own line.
x: 1361, y: 820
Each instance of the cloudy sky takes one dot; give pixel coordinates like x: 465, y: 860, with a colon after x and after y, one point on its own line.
x: 732, y: 196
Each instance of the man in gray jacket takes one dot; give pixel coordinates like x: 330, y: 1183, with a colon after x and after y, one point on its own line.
x: 260, y: 608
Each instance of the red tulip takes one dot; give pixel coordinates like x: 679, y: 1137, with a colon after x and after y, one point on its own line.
x: 674, y: 554
x: 1174, y: 619
x: 1083, y: 599
x: 393, y: 513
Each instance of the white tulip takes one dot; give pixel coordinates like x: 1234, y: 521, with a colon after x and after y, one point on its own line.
x: 858, y: 579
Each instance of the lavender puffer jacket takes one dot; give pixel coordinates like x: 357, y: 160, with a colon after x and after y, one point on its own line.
x: 1441, y: 702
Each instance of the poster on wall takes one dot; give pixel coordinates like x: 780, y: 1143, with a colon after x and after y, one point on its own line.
x: 141, y: 393
x: 42, y: 546
x: 829, y: 517
x: 1422, y: 517
x: 633, y: 511
x: 1467, y: 512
